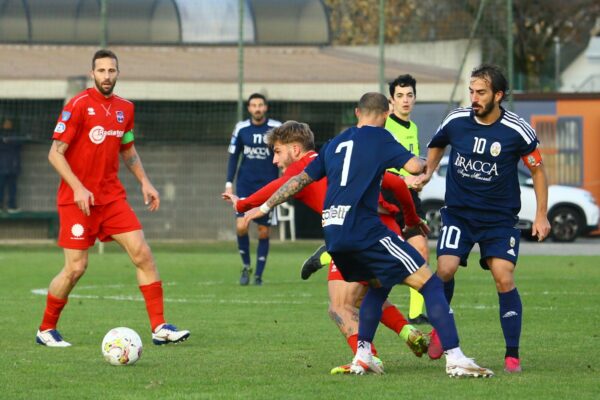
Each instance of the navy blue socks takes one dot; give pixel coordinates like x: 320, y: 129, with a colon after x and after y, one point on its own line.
x: 511, y: 317
x: 262, y: 252
x: 438, y: 312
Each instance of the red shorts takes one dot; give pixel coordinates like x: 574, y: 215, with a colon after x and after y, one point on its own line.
x: 78, y: 231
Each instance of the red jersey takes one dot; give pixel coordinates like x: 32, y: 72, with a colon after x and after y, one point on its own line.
x: 398, y: 187
x: 96, y: 129
x: 313, y: 195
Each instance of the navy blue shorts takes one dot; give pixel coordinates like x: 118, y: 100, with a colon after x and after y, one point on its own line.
x: 458, y: 236
x: 390, y: 260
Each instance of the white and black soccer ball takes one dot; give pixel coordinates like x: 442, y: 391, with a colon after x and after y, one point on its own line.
x: 122, y: 346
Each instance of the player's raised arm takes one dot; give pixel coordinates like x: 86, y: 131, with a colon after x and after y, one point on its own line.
x: 284, y: 193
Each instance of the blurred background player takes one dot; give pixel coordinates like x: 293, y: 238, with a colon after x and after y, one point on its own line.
x: 364, y: 249
x: 483, y: 195
x: 403, y: 95
x: 293, y: 149
x: 10, y: 165
x: 255, y: 170
x: 94, y: 128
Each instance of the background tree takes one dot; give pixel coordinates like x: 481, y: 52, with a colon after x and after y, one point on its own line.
x: 535, y: 24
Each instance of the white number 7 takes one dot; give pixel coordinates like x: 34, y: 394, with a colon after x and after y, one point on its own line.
x: 348, y: 144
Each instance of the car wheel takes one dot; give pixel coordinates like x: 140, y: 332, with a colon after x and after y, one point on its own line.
x: 565, y: 224
x: 433, y: 217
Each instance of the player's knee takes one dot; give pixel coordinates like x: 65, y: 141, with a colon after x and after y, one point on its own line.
x: 263, y: 232
x: 444, y: 274
x: 505, y: 284
x: 75, y: 269
x: 142, y: 256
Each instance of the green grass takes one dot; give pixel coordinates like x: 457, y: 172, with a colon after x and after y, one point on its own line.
x: 276, y: 341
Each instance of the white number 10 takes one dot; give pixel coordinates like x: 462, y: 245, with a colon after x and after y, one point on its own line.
x: 347, y: 157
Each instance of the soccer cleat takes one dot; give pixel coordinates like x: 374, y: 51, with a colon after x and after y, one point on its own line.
x: 435, y: 350
x: 50, y: 338
x: 512, y: 365
x: 245, y: 277
x: 342, y: 369
x: 258, y: 280
x: 346, y: 368
x: 167, y: 333
x: 466, y: 368
x: 419, y: 320
x: 416, y: 341
x: 360, y: 366
x: 313, y: 263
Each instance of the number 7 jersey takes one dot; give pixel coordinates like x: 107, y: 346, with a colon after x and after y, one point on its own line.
x: 354, y: 163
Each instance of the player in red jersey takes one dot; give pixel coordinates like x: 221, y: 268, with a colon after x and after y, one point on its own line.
x: 293, y: 146
x: 94, y: 128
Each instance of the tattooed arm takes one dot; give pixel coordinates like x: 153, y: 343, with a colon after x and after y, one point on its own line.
x: 285, y: 192
x: 81, y: 196
x: 134, y: 164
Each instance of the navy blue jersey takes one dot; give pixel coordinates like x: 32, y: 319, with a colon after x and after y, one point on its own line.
x: 354, y: 163
x: 482, y: 180
x: 256, y: 168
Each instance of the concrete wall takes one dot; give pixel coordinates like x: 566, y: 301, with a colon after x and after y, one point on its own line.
x: 189, y: 177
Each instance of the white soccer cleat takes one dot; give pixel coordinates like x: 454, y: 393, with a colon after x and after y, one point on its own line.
x: 361, y: 366
x: 467, y: 368
x: 50, y: 338
x: 167, y: 333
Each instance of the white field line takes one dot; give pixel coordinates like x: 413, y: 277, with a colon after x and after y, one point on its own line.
x: 211, y: 299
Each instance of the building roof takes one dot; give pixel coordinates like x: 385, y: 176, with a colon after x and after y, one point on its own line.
x: 211, y: 73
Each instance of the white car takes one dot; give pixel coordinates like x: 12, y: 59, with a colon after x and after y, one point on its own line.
x: 571, y: 211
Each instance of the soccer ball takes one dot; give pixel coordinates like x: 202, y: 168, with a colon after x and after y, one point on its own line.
x: 122, y: 346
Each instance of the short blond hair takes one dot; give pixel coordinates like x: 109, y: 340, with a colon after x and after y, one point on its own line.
x: 292, y: 132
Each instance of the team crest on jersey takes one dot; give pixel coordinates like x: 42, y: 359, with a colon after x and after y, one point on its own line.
x: 120, y: 117
x: 495, y: 149
x: 60, y: 127
x: 91, y: 111
x: 65, y: 116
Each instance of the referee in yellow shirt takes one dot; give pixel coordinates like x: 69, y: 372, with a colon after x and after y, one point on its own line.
x: 403, y: 94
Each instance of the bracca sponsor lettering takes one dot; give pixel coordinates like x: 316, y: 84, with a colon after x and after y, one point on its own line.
x: 256, y: 152
x: 335, y: 215
x: 475, y: 166
x: 98, y: 134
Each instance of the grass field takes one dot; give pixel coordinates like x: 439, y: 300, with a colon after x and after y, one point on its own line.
x: 276, y: 341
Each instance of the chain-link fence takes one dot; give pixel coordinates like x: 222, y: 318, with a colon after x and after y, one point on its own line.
x: 187, y: 89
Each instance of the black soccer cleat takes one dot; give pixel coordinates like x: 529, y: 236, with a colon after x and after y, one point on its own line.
x: 313, y: 263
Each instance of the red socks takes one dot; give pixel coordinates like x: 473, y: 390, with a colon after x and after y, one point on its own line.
x: 54, y: 307
x: 153, y: 295
x: 353, y: 343
x: 393, y: 319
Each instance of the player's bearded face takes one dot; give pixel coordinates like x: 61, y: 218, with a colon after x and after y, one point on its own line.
x: 282, y: 155
x: 482, y: 97
x: 257, y: 109
x: 105, y: 75
x: 483, y: 109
